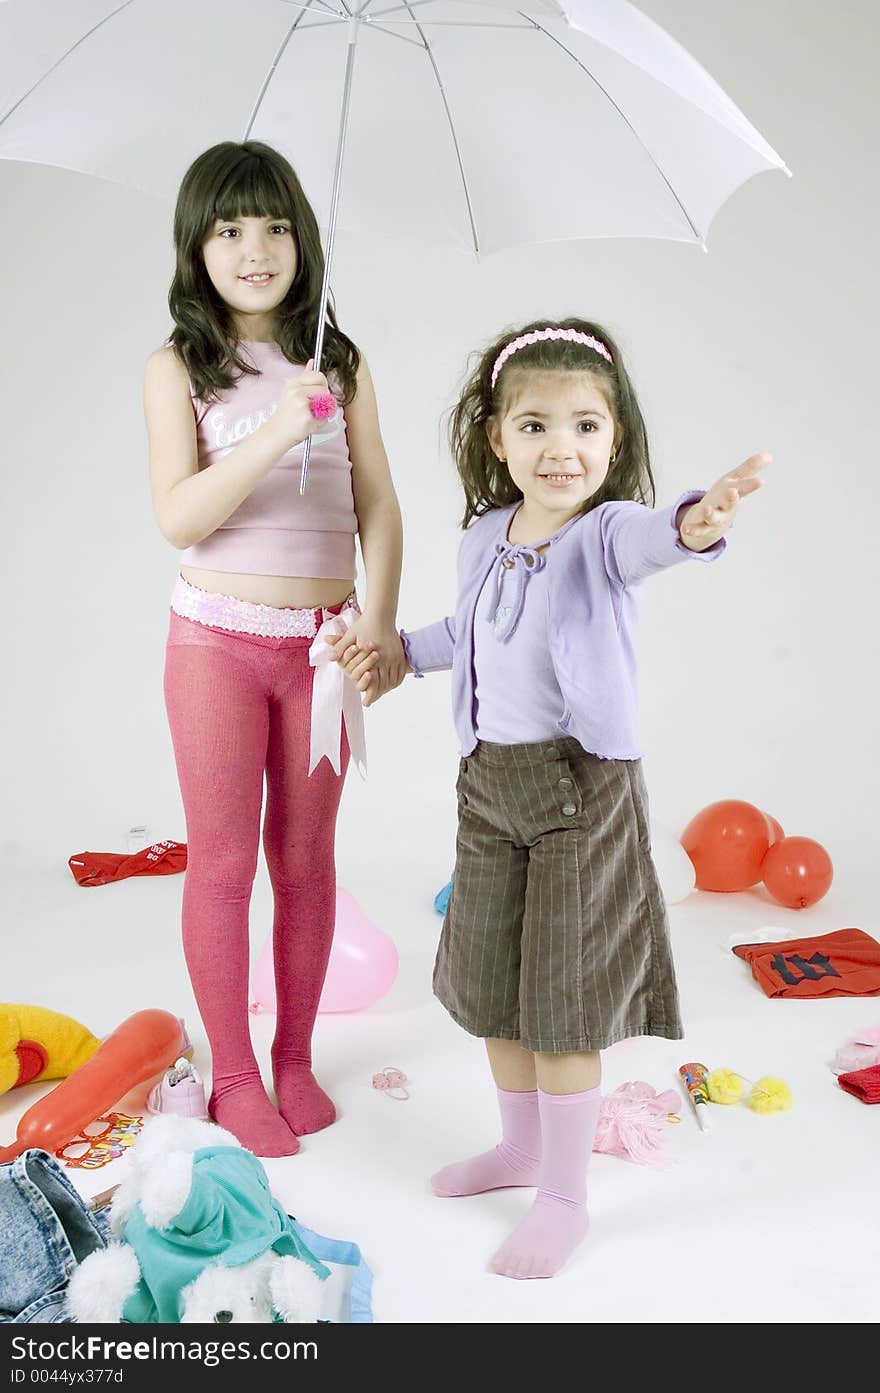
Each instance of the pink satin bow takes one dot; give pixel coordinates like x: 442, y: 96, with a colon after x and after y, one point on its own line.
x: 335, y: 696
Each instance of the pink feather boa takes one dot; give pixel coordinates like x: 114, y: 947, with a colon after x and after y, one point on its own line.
x: 632, y: 1123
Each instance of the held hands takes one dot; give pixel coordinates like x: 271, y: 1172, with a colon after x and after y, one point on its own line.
x: 705, y: 522
x: 292, y: 419
x: 372, y: 656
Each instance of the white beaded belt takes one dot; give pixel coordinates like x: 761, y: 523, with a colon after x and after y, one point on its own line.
x: 244, y: 616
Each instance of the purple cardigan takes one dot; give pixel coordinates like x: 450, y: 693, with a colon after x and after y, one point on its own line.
x: 593, y: 566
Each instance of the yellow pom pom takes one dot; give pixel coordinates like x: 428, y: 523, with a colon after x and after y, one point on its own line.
x: 770, y: 1095
x: 724, y: 1086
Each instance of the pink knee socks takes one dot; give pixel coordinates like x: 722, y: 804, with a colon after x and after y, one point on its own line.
x: 546, y: 1140
x: 557, y: 1221
x: 514, y: 1161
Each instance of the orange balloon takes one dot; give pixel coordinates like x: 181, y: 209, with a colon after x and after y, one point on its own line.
x: 776, y: 830
x: 138, y: 1049
x: 797, y: 872
x: 727, y: 843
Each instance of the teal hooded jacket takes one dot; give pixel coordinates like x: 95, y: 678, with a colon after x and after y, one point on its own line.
x: 229, y: 1217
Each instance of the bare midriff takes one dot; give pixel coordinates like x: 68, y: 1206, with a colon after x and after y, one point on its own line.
x: 283, y: 592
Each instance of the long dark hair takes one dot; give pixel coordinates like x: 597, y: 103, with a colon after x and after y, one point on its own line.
x: 247, y: 180
x: 486, y: 482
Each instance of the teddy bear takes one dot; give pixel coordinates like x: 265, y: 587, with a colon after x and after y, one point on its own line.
x: 198, y: 1239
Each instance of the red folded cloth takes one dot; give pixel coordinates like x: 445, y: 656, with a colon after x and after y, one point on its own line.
x: 844, y: 963
x: 101, y: 867
x: 863, y: 1083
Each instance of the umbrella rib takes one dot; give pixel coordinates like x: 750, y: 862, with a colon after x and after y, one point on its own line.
x: 464, y: 182
x: 308, y: 5
x: 391, y: 34
x: 552, y: 37
x: 73, y: 47
x: 392, y: 9
x: 410, y: 6
x: 448, y: 23
x: 334, y: 21
x: 436, y: 23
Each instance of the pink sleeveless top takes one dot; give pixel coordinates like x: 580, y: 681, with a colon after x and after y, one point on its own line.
x: 275, y: 532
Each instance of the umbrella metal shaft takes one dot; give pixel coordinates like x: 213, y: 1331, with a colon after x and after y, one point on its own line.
x: 353, y: 27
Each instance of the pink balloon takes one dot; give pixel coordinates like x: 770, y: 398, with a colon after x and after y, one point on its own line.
x: 362, y: 967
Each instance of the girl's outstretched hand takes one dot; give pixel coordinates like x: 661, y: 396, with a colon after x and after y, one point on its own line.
x: 705, y: 522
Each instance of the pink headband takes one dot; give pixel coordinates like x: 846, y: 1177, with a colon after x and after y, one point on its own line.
x: 541, y: 336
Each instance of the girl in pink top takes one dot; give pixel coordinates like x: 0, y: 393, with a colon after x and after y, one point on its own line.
x: 267, y: 576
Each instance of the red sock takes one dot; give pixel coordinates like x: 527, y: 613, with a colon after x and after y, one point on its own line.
x: 862, y: 1083
x: 100, y: 867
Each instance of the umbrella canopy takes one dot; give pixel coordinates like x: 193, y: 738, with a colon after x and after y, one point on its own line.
x: 482, y: 123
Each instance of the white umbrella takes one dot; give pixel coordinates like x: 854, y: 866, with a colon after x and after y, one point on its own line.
x: 483, y: 123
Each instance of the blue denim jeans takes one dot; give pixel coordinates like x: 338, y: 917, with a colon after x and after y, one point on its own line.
x: 46, y: 1229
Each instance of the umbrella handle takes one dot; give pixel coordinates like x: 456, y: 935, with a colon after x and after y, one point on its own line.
x: 353, y: 27
x: 304, y: 474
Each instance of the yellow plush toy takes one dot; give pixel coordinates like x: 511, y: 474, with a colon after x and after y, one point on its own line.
x: 36, y: 1044
x: 767, y: 1095
x: 725, y: 1086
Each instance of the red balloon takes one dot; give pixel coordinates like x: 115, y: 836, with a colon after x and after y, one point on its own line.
x: 797, y: 872
x: 776, y: 831
x: 141, y: 1047
x: 727, y: 843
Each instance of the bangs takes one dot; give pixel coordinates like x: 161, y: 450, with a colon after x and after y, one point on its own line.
x: 574, y: 360
x: 254, y: 189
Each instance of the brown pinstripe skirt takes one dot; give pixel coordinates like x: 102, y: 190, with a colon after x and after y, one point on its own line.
x: 556, y: 932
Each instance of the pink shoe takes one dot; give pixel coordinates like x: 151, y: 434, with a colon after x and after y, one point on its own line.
x: 181, y: 1092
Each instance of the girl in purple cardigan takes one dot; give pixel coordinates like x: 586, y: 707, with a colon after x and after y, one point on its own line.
x: 555, y: 943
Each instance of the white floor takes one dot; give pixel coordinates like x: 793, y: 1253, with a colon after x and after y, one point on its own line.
x: 767, y: 1219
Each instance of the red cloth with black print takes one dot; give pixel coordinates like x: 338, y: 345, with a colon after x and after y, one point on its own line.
x: 102, y: 867
x: 844, y: 963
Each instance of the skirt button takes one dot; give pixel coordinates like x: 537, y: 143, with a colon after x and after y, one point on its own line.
x: 565, y: 783
x: 568, y: 809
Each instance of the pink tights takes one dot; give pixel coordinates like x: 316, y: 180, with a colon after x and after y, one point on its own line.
x: 239, y: 710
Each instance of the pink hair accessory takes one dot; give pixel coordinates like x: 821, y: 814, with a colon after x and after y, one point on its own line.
x: 322, y: 406
x: 391, y: 1082
x: 542, y: 336
x: 632, y: 1123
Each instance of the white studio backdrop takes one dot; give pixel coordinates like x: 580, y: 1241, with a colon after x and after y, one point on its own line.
x: 758, y: 675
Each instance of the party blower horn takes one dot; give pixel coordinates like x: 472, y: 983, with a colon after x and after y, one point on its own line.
x: 694, y: 1078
